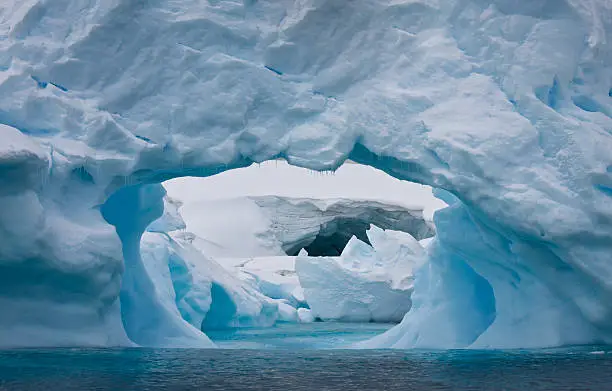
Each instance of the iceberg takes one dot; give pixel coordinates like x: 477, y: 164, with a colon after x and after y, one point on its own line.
x: 365, y: 283
x: 196, y: 288
x: 206, y: 295
x: 502, y: 105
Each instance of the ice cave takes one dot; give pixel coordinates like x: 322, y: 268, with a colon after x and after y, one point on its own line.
x: 503, y: 107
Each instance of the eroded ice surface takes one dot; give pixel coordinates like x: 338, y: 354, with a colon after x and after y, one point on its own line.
x: 206, y: 295
x: 365, y: 283
x: 504, y: 104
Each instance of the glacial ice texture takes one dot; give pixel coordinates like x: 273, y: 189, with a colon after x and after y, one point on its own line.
x: 204, y: 293
x: 503, y: 104
x: 365, y: 283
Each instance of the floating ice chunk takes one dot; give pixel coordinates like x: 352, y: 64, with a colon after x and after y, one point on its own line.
x: 337, y: 293
x: 305, y: 315
x: 287, y: 313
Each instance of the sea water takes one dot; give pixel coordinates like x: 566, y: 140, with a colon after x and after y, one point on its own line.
x: 304, y: 362
x: 317, y: 335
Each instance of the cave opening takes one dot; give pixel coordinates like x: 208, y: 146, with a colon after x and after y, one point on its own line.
x: 331, y: 241
x: 268, y: 245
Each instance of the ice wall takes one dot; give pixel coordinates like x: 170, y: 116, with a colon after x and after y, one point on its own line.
x: 60, y: 262
x: 504, y: 104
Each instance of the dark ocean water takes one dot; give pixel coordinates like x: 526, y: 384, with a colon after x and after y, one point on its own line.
x: 283, y: 360
x: 230, y: 369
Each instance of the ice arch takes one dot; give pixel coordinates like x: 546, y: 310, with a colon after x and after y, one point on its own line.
x: 504, y: 104
x: 147, y: 320
x: 333, y: 237
x: 323, y: 228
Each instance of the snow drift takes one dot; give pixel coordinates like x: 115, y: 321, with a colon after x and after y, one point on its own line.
x: 505, y: 105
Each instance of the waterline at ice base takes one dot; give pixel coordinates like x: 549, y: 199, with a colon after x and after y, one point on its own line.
x: 503, y: 107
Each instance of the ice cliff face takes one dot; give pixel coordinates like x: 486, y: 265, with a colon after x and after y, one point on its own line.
x: 504, y: 104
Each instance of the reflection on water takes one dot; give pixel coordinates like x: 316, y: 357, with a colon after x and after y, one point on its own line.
x: 288, y: 364
x: 318, y: 335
